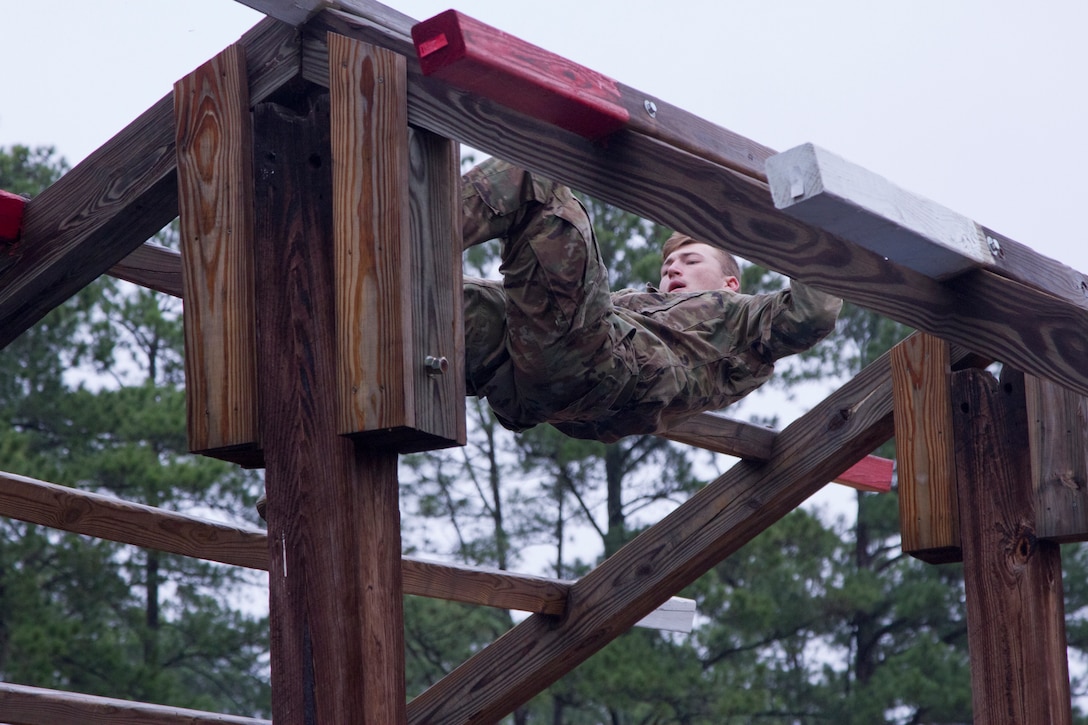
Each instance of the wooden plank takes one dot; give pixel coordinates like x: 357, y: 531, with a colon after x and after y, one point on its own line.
x: 690, y: 191
x: 152, y: 266
x: 24, y: 705
x: 712, y: 524
x: 437, y: 307
x: 113, y: 519
x: 1012, y: 579
x: 1058, y: 438
x: 398, y: 289
x: 928, y: 508
x: 117, y: 198
x: 215, y: 190
x: 828, y: 192
x: 325, y: 497
x: 481, y: 59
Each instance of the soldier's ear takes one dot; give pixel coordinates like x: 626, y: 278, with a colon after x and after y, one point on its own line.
x: 731, y: 283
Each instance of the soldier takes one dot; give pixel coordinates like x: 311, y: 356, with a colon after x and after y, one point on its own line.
x: 551, y: 344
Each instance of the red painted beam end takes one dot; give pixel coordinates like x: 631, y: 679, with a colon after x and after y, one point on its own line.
x: 871, y: 473
x: 11, y: 217
x: 486, y: 61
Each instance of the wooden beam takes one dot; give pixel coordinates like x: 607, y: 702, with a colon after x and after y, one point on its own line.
x: 706, y: 528
x: 153, y: 266
x: 1058, y: 440
x: 674, y: 180
x: 1012, y: 579
x: 117, y: 198
x: 819, y: 188
x: 333, y: 525
x: 24, y: 705
x: 928, y: 508
x: 398, y: 260
x: 215, y: 201
x: 113, y: 519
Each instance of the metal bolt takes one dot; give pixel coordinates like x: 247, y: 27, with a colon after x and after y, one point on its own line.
x: 651, y: 108
x: 436, y: 365
x: 995, y: 246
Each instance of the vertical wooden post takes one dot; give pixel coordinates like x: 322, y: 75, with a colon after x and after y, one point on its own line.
x: 1013, y: 580
x: 333, y: 524
x: 1059, y: 460
x: 928, y: 517
x: 396, y: 209
x: 214, y: 152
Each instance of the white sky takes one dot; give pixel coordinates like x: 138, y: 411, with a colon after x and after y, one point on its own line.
x: 976, y: 104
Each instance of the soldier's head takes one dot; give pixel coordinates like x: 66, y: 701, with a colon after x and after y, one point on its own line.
x: 688, y: 265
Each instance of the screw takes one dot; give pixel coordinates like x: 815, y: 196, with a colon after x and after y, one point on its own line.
x: 651, y: 108
x: 995, y: 246
x: 435, y: 365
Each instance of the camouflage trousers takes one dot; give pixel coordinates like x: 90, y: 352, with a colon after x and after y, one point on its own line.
x: 542, y: 345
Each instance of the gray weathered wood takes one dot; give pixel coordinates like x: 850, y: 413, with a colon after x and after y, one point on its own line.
x: 822, y: 189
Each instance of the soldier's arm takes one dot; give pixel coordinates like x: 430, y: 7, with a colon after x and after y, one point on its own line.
x: 803, y: 316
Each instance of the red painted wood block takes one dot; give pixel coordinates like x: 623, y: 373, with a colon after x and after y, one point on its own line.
x: 871, y: 473
x: 486, y: 61
x: 11, y: 216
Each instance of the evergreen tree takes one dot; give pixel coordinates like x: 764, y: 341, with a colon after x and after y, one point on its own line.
x: 89, y: 615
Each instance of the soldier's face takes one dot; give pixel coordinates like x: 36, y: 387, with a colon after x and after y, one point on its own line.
x: 695, y: 268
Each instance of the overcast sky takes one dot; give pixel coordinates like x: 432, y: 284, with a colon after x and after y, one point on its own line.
x: 976, y: 104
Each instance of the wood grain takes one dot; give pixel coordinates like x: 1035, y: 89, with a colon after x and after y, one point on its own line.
x: 215, y: 189
x: 396, y: 206
x: 928, y: 504
x: 24, y: 705
x: 1012, y: 579
x: 117, y: 198
x: 1058, y: 438
x: 437, y: 311
x: 332, y: 660
x: 370, y: 213
x: 152, y: 266
x: 113, y: 519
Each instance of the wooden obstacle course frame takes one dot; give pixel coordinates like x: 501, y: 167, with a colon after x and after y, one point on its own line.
x: 692, y: 167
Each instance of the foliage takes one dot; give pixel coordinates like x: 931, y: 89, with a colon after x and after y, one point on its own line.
x: 95, y: 398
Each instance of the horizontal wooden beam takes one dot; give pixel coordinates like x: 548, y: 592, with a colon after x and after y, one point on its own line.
x: 24, y: 705
x: 117, y: 198
x: 113, y: 519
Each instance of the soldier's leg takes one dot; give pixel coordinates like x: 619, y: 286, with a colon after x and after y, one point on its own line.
x: 559, y: 322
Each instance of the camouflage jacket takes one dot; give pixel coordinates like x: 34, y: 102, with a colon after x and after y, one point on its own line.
x: 702, y: 351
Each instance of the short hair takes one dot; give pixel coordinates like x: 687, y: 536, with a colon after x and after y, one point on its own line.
x: 726, y: 260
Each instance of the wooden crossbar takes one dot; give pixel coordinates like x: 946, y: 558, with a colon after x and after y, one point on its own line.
x: 105, y: 517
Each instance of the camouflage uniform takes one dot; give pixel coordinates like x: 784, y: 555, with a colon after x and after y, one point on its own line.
x: 551, y: 344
